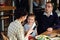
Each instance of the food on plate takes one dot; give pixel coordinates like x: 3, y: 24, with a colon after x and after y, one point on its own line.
x: 42, y: 37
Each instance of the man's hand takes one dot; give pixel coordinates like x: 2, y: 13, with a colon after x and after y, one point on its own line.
x: 50, y: 29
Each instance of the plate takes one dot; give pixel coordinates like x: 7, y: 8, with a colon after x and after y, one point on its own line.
x: 42, y: 37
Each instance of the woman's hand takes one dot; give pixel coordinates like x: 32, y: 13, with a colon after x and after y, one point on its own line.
x: 29, y: 32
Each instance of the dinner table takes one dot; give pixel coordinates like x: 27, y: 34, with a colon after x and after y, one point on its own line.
x: 53, y: 35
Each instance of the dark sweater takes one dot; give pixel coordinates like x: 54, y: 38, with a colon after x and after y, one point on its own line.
x: 46, y: 22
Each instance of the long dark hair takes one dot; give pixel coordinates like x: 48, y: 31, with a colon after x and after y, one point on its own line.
x: 19, y: 13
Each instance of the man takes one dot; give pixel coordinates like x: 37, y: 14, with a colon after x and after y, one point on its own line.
x: 48, y: 19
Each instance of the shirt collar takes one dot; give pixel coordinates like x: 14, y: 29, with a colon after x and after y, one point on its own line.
x: 46, y: 13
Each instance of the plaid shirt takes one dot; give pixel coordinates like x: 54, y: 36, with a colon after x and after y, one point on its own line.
x: 16, y: 31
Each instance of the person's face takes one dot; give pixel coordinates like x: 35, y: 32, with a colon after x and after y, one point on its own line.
x: 37, y: 1
x: 48, y: 8
x: 31, y: 19
x: 24, y: 18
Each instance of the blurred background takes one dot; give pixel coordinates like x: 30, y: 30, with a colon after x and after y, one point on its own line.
x: 8, y: 7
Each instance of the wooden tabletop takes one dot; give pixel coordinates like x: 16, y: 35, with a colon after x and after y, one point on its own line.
x: 53, y: 33
x: 5, y: 8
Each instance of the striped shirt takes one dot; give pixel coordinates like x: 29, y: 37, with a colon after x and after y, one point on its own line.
x: 16, y: 31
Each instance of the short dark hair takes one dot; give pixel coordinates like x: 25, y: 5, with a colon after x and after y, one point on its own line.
x: 50, y: 3
x: 31, y: 15
x: 20, y: 13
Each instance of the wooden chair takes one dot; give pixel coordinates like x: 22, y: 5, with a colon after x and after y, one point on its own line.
x: 4, y: 37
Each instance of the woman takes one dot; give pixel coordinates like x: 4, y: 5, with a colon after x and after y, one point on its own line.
x: 15, y: 29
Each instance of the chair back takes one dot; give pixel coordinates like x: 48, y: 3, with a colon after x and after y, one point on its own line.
x: 4, y: 37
